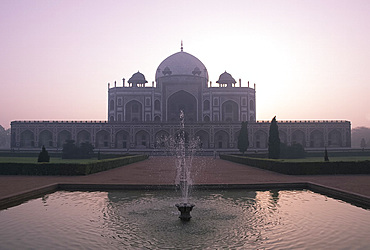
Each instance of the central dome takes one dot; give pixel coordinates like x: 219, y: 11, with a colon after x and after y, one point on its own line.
x: 181, y: 64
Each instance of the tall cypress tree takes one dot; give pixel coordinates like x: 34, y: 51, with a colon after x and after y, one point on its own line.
x: 243, y: 142
x: 274, y: 140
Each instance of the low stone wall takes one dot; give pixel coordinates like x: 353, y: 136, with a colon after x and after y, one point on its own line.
x: 67, y: 168
x: 303, y: 168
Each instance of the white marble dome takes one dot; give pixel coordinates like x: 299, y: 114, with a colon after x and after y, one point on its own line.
x: 181, y: 64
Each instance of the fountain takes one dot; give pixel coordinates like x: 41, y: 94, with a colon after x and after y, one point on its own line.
x: 184, y: 151
x: 183, y: 170
x: 226, y: 218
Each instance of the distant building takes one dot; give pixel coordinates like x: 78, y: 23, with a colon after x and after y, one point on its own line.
x: 138, y: 114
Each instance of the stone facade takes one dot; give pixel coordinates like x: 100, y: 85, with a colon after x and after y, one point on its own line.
x: 139, y: 114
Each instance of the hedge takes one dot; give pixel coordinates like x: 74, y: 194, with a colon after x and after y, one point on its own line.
x: 35, y: 154
x: 67, y: 168
x: 303, y: 168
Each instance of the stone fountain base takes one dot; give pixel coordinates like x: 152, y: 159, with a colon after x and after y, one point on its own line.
x: 185, y: 209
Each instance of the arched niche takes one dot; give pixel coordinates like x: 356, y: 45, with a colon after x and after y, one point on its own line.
x: 63, y: 136
x: 133, y: 111
x: 221, y: 139
x: 230, y: 111
x: 27, y: 139
x: 102, y: 139
x: 142, y: 139
x: 46, y: 139
x: 83, y: 136
x: 203, y: 138
x: 122, y: 139
x: 184, y: 101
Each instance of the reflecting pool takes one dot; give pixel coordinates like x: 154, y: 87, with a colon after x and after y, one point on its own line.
x: 234, y: 219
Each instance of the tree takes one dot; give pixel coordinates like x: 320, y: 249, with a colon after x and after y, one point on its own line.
x: 4, y: 137
x: 243, y: 142
x: 274, y: 140
x: 326, y: 157
x: 43, y: 155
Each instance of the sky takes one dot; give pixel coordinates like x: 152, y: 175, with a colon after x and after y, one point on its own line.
x: 309, y: 59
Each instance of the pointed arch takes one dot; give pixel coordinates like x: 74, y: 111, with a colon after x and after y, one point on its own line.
x: 206, y: 105
x: 298, y: 137
x: 230, y: 111
x: 122, y: 139
x: 63, y: 136
x: 102, y: 139
x: 46, y: 138
x: 317, y: 139
x: 142, y: 139
x: 133, y: 111
x: 203, y: 138
x: 283, y: 137
x: 27, y: 139
x: 182, y: 100
x: 83, y: 136
x: 260, y: 139
x: 221, y: 139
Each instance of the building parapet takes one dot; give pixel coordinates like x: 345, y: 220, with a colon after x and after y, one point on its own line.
x: 307, y: 121
x: 189, y: 123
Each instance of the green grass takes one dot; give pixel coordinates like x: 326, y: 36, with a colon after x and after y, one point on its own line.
x: 52, y: 160
x: 334, y: 159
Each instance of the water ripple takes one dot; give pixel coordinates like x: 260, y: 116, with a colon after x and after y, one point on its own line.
x: 221, y: 219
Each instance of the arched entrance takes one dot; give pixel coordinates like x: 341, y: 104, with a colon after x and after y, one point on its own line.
x: 184, y: 101
x: 221, y: 139
x: 102, y: 139
x: 203, y: 138
x: 46, y: 139
x: 27, y: 139
x: 122, y: 139
x: 133, y: 111
x: 63, y: 136
x: 230, y: 111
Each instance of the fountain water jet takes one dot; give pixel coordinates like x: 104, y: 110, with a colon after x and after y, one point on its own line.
x: 184, y: 151
x: 183, y: 171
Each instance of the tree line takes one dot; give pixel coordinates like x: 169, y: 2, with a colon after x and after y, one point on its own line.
x: 276, y: 149
x: 4, y: 137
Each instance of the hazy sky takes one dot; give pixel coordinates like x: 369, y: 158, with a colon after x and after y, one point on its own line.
x: 309, y: 59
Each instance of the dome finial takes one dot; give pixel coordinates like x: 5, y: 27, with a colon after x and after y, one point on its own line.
x: 182, y: 46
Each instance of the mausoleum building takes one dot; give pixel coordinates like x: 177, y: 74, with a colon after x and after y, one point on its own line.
x: 140, y: 112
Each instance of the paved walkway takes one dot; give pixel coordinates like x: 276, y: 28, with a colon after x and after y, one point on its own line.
x: 161, y: 170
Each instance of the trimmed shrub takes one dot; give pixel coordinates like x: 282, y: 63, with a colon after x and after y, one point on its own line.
x: 43, y: 155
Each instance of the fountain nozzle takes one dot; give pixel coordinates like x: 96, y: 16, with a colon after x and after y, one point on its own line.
x: 185, y: 209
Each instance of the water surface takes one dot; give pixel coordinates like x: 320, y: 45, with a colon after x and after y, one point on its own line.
x: 221, y: 219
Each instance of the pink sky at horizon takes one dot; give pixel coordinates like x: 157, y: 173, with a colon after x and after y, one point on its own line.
x: 309, y: 59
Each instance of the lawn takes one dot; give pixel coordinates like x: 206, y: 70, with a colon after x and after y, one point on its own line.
x: 52, y: 160
x: 334, y: 159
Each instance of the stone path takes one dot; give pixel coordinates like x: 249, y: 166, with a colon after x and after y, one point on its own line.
x: 161, y: 170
